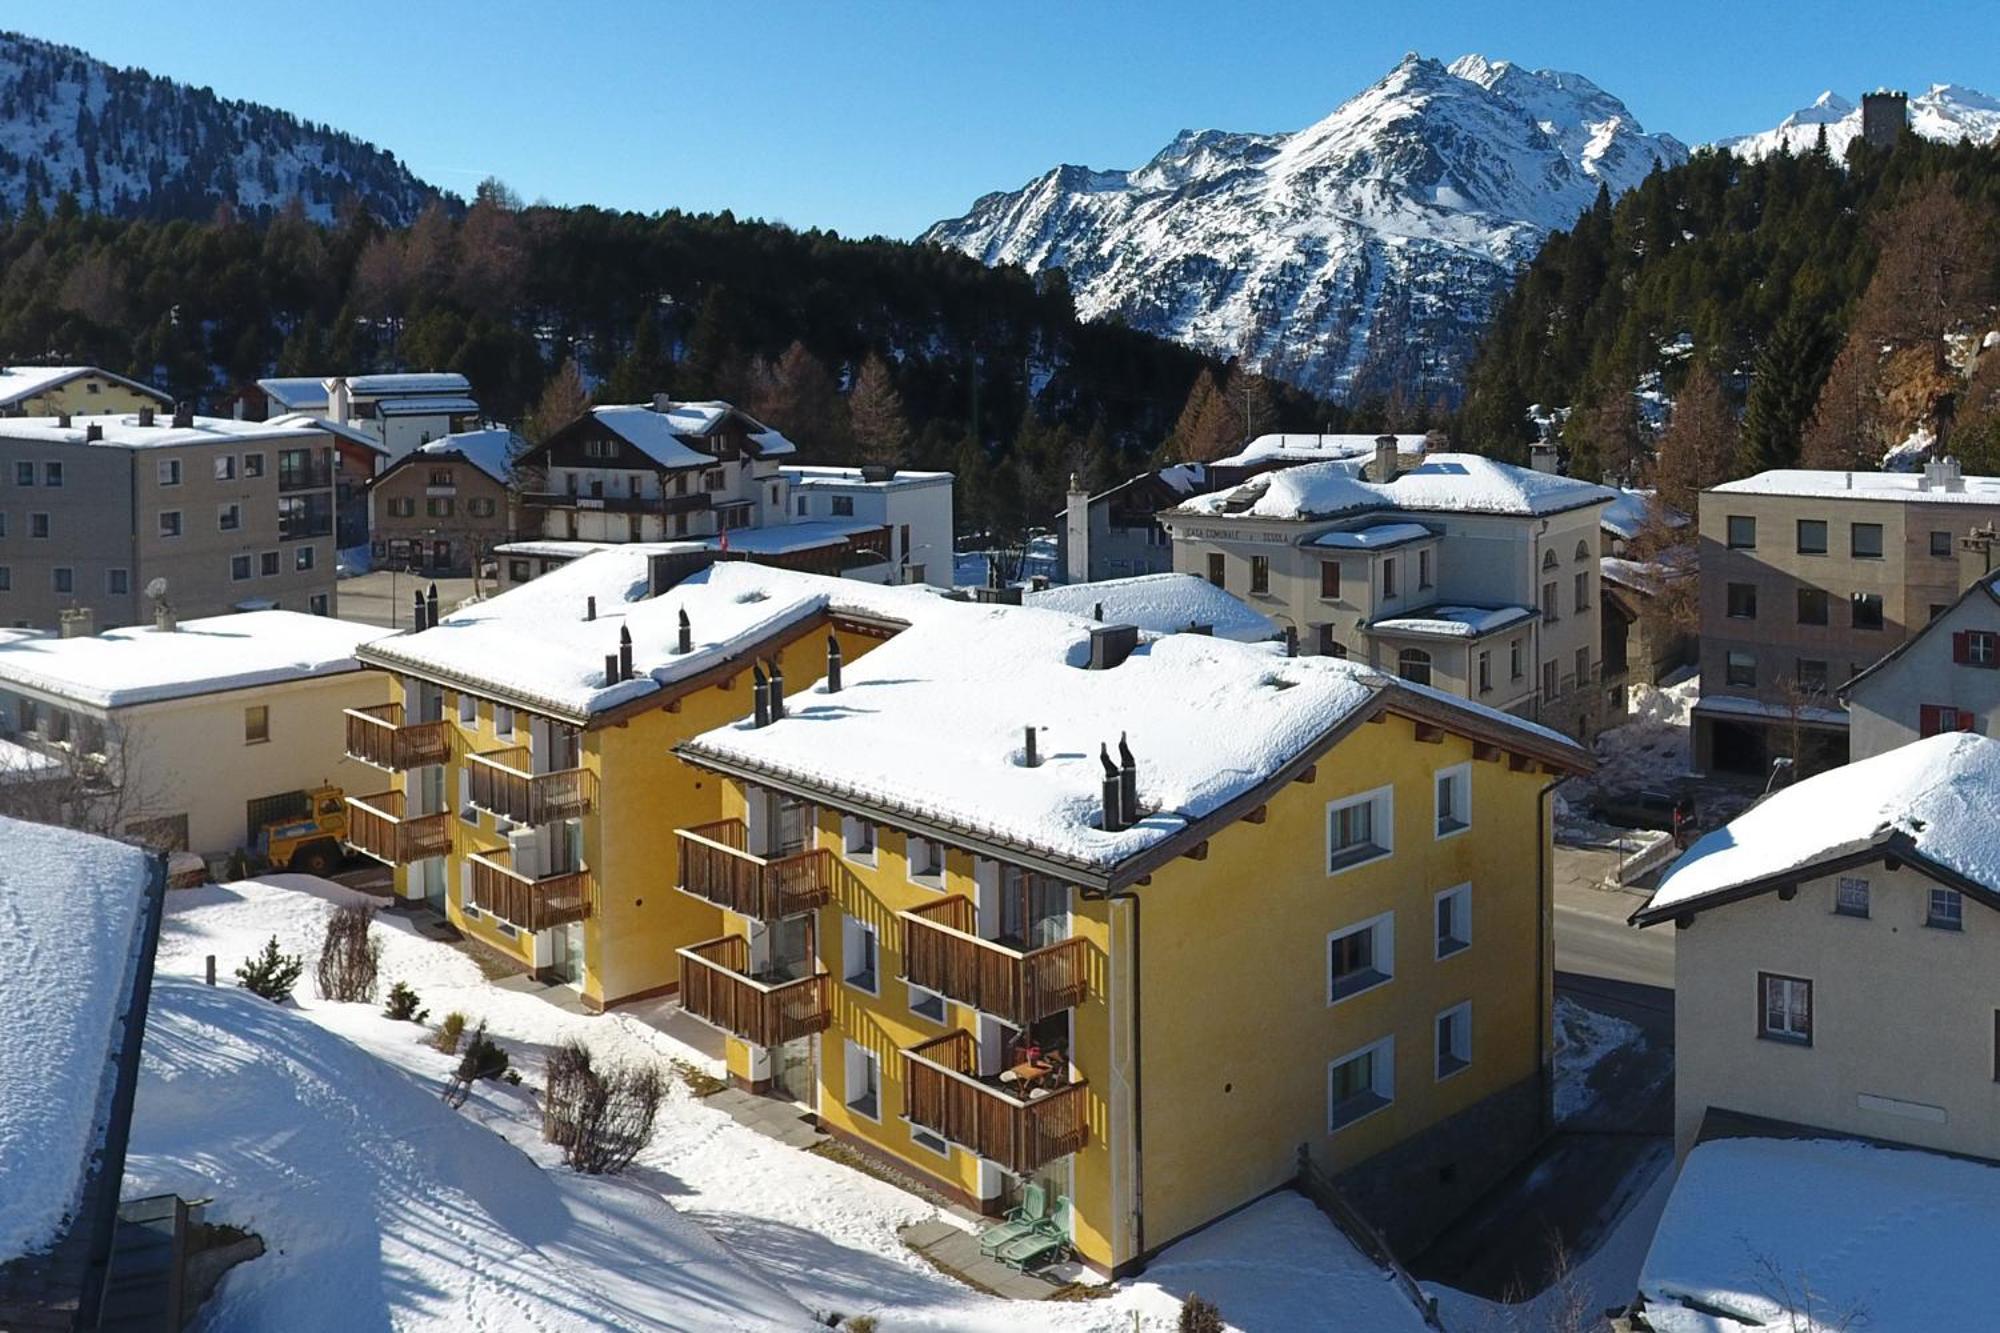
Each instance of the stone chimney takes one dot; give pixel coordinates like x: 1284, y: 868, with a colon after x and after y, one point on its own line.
x: 183, y: 416
x: 146, y: 415
x: 93, y: 433
x: 1942, y: 474
x: 339, y: 400
x: 76, y: 622
x: 1542, y: 457
x: 663, y: 402
x: 163, y: 618
x: 1383, y: 468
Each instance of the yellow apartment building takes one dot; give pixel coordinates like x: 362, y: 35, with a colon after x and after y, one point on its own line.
x: 1032, y: 899
x: 47, y: 391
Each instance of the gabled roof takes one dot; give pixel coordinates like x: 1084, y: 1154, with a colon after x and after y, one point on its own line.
x: 492, y: 451
x: 1626, y: 515
x: 1442, y: 483
x: 21, y: 382
x: 307, y: 393
x: 1930, y: 803
x: 1988, y: 587
x: 359, y: 438
x: 664, y: 435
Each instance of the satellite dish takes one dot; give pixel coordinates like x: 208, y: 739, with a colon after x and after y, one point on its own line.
x: 157, y: 588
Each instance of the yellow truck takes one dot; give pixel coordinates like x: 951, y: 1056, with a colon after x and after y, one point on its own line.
x: 303, y: 830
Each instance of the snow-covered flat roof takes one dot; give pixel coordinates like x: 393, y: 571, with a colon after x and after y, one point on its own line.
x: 1442, y: 483
x: 297, y: 393
x: 1932, y: 800
x: 553, y: 548
x: 121, y: 430
x: 1453, y: 622
x: 492, y: 451
x: 1897, y: 486
x: 851, y: 478
x: 19, y: 382
x: 790, y: 538
x: 1160, y: 604
x: 1881, y: 1238
x: 1736, y: 706
x: 409, y: 383
x: 427, y: 405
x: 123, y: 667
x: 1373, y: 537
x: 1294, y: 448
x: 72, y: 905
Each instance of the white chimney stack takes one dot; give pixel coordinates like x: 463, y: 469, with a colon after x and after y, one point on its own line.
x: 339, y: 400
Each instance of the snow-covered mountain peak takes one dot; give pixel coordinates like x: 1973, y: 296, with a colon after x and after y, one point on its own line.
x: 1946, y: 112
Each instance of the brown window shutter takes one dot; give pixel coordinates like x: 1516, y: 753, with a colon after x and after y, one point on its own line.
x: 1959, y: 651
x: 1927, y: 719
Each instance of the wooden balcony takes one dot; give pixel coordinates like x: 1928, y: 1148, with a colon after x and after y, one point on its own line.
x: 714, y: 867
x: 501, y: 784
x: 943, y: 952
x: 942, y: 1092
x: 717, y: 988
x: 530, y: 904
x: 377, y: 827
x: 379, y: 736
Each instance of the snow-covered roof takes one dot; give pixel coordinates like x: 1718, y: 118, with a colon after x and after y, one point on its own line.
x: 851, y: 478
x: 1160, y: 604
x: 296, y: 393
x: 1453, y: 622
x: 1897, y: 486
x: 426, y: 406
x: 1739, y: 706
x: 1933, y: 800
x: 1442, y: 483
x: 1374, y: 537
x: 532, y: 643
x: 1896, y: 1234
x: 1281, y: 448
x: 297, y: 420
x: 1640, y: 576
x: 553, y: 548
x: 410, y: 384
x: 788, y: 538
x: 21, y: 382
x: 1626, y: 515
x: 657, y: 434
x: 492, y: 451
x: 121, y: 430
x: 123, y: 667
x: 72, y: 904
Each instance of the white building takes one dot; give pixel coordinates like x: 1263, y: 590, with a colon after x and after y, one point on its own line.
x: 914, y: 506
x: 1946, y: 678
x: 399, y: 412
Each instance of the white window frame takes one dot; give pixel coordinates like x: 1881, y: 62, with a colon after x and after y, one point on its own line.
x: 1383, y: 929
x: 1461, y: 1036
x: 468, y: 709
x: 859, y: 1057
x: 852, y: 931
x: 920, y: 996
x: 930, y: 879
x: 1381, y: 828
x: 1459, y: 776
x: 850, y: 828
x: 1381, y: 1082
x: 1954, y: 919
x: 169, y: 471
x: 1460, y: 897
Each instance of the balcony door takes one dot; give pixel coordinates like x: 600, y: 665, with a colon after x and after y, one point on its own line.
x: 422, y: 702
x: 1034, y: 909
x: 791, y: 946
x: 792, y: 825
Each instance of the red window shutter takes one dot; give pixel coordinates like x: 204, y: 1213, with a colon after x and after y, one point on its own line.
x: 1927, y: 720
x: 1959, y: 651
x: 1967, y: 722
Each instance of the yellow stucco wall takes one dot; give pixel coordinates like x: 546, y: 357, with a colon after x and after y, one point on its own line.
x: 74, y: 396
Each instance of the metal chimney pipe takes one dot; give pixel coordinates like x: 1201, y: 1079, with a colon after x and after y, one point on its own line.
x: 832, y: 665
x: 687, y: 635
x: 1291, y: 641
x: 624, y: 653
x: 777, y: 690
x: 1128, y: 784
x: 1030, y: 750
x: 1112, y: 800
x: 590, y: 608
x: 611, y: 668
x: 759, y: 697
x: 417, y: 610
x: 431, y: 606
x: 1097, y: 611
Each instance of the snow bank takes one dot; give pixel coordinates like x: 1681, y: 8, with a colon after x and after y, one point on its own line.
x: 1160, y: 604
x: 1583, y: 1038
x: 69, y: 907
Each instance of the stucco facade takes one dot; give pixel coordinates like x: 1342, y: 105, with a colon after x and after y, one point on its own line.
x: 1945, y: 679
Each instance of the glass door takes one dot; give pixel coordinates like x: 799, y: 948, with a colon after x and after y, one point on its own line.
x: 566, y: 953
x: 792, y: 1071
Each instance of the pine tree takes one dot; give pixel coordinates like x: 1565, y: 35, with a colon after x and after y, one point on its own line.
x: 875, y: 412
x: 1176, y: 448
x: 563, y: 401
x: 1698, y: 449
x: 644, y: 370
x: 797, y: 396
x: 1784, y: 385
x: 710, y: 346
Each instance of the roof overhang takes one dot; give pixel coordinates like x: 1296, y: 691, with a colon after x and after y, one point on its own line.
x: 1894, y: 848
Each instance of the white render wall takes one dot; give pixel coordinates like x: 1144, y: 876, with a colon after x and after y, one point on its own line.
x: 1883, y: 710
x: 924, y: 504
x: 1901, y: 1012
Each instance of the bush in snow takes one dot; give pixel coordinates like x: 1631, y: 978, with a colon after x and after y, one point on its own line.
x: 1199, y: 1315
x: 402, y: 1005
x: 600, y: 1119
x: 348, y: 957
x: 860, y: 1323
x: 449, y: 1032
x: 271, y: 974
x: 483, y: 1057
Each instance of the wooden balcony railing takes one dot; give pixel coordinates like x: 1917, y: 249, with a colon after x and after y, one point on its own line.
x: 716, y: 988
x: 379, y: 736
x: 530, y: 904
x: 715, y: 867
x: 942, y: 1093
x: 377, y: 827
x: 501, y: 784
x: 943, y: 952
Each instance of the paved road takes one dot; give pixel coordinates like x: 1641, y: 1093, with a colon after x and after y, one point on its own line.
x: 1592, y: 939
x: 383, y: 597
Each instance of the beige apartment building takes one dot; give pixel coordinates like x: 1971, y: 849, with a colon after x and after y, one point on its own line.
x: 232, y: 515
x: 1463, y: 573
x: 1807, y: 577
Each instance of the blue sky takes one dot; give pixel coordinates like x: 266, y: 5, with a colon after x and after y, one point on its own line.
x: 881, y: 117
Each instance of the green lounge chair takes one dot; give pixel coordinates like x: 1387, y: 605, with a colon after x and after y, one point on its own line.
x: 1044, y: 1243
x: 1021, y: 1221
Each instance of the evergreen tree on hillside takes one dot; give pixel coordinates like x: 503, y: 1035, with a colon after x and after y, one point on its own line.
x: 563, y: 400
x: 797, y: 396
x: 1783, y: 388
x: 875, y: 412
x: 1605, y: 439
x: 1698, y: 448
x: 644, y: 370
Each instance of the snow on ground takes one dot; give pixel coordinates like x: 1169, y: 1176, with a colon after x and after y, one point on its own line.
x: 1648, y: 750
x: 969, y: 568
x: 1883, y: 1238
x: 1584, y: 1037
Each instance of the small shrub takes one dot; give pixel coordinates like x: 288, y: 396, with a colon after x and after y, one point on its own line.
x: 348, y: 958
x: 1199, y: 1315
x: 860, y: 1323
x: 271, y: 974
x: 600, y: 1119
x: 483, y: 1057
x: 513, y: 1078
x: 402, y: 1005
x: 449, y: 1032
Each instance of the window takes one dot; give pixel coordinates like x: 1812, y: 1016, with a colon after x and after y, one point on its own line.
x: 1812, y: 606
x: 1582, y: 592
x: 1549, y: 560
x: 1549, y: 687
x: 1742, y: 601
x: 1215, y: 568
x: 24, y: 474
x: 1947, y: 910
x: 229, y: 517
x: 170, y: 522
x: 63, y: 578
x: 117, y: 582
x: 267, y: 564
x: 256, y: 724
x: 302, y: 558
x: 1389, y: 577
x: 799, y: 506
x: 1582, y: 667
x: 239, y: 567
x: 924, y: 1138
x: 926, y: 1003
x: 1809, y: 674
x: 857, y: 839
x: 1974, y: 647
x: 483, y: 507
x: 842, y: 506
x: 440, y: 506
x: 1414, y: 665
x: 1424, y: 569
x: 7, y: 583
x: 1358, y: 829
x: 1329, y: 645
x: 1812, y: 536
x: 468, y: 709
x: 38, y: 525
x: 169, y: 471
x: 1360, y: 1084
x: 1941, y: 545
x: 253, y: 465
x: 926, y: 858
x: 225, y: 467
x: 1935, y: 718
x: 1485, y: 672
x: 864, y: 1082
x: 858, y: 954
x: 52, y: 474
x: 1742, y: 534
x: 503, y: 720
x: 1454, y: 799
x: 1454, y: 920
x: 1865, y: 540
x: 440, y: 476
x: 517, y: 571
x: 1786, y: 1008
x: 712, y: 481
x: 1260, y: 573
x: 319, y: 604
x: 1867, y: 607
x: 1360, y: 958
x: 1850, y: 896
x: 1740, y: 669
x: 1454, y: 1040
x: 402, y: 506
x: 1515, y: 661
x: 1548, y: 603
x: 1329, y: 580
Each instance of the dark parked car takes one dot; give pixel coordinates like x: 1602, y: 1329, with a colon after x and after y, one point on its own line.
x: 1647, y: 808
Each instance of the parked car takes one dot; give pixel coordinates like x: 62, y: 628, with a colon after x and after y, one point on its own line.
x: 1647, y: 808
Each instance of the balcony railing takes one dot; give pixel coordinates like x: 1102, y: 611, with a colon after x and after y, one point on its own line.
x: 501, y: 784
x: 942, y: 1093
x: 716, y: 987
x: 377, y: 826
x: 379, y: 736
x: 715, y: 867
x: 532, y: 904
x: 943, y: 952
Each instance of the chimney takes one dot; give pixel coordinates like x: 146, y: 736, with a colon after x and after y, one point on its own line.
x: 1542, y: 457
x: 777, y: 690
x: 1110, y: 645
x: 1384, y: 466
x: 183, y: 416
x: 760, y: 699
x: 146, y: 415
x: 417, y: 611
x: 1128, y: 784
x: 611, y: 668
x: 832, y: 665
x: 93, y: 433
x: 1031, y: 755
x: 1112, y: 796
x: 1097, y: 612
x: 685, y: 644
x: 590, y: 608
x: 77, y: 622
x: 163, y: 618
x: 1291, y: 641
x: 663, y: 402
x: 1942, y: 474
x: 1038, y: 583
x: 1196, y: 627
x: 431, y: 606
x: 62, y: 420
x: 236, y: 408
x: 339, y: 400
x: 1076, y: 532
x: 624, y: 653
